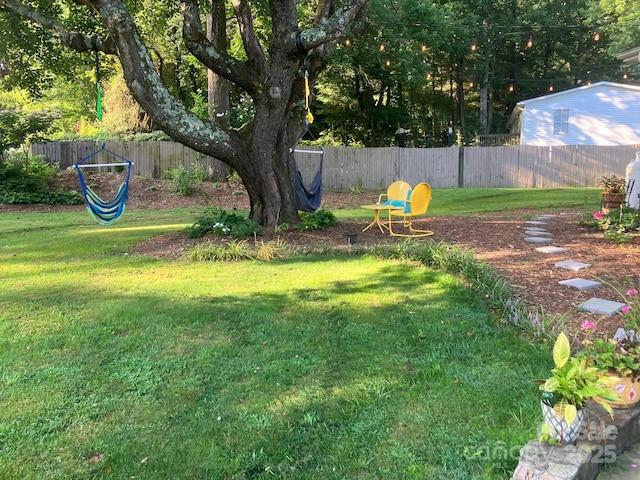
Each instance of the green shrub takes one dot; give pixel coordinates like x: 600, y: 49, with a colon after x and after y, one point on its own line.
x: 184, y: 178
x: 220, y: 222
x: 317, y: 220
x: 616, y: 225
x: 25, y: 180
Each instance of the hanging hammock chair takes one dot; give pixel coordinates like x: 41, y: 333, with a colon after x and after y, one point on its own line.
x: 104, y: 212
x: 308, y: 199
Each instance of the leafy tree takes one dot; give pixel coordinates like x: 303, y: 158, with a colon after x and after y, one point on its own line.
x: 17, y: 127
x: 267, y: 70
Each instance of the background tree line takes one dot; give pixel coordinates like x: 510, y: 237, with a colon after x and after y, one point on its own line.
x: 420, y: 65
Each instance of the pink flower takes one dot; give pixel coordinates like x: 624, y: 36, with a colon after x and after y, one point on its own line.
x: 588, y: 325
x: 598, y: 216
x: 632, y: 291
x: 625, y: 309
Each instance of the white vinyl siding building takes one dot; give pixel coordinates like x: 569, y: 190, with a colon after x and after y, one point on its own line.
x: 603, y: 113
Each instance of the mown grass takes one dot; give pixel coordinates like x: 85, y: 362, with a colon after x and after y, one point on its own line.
x: 119, y: 366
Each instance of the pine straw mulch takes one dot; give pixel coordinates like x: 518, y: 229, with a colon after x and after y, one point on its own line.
x: 497, y: 239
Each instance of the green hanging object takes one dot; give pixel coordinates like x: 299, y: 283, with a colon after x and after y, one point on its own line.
x: 99, y: 104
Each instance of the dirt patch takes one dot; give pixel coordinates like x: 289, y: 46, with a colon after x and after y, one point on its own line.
x: 497, y: 239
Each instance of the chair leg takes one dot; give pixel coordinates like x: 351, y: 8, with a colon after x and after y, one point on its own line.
x: 407, y: 223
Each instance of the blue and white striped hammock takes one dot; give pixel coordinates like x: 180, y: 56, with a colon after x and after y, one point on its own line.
x: 104, y: 212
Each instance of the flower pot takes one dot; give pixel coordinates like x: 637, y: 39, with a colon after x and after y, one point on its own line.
x: 563, y: 432
x: 612, y: 200
x: 629, y: 390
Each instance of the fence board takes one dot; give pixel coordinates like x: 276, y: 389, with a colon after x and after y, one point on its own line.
x: 376, y: 168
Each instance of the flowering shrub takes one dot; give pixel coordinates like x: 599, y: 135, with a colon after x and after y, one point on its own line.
x: 615, y: 225
x: 631, y: 311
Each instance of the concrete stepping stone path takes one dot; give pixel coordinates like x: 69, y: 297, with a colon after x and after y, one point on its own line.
x: 551, y: 249
x: 581, y: 283
x: 601, y: 306
x: 537, y: 239
x: 572, y: 265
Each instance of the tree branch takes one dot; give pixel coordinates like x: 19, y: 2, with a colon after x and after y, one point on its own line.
x: 330, y: 28
x: 252, y: 46
x: 213, y: 58
x: 76, y: 41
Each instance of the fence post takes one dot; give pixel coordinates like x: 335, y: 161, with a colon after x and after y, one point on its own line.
x: 460, y: 167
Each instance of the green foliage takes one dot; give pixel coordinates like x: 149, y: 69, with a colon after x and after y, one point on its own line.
x: 18, y: 127
x: 212, y: 252
x: 223, y: 223
x: 25, y: 180
x: 609, y: 355
x: 573, y: 381
x: 317, y: 220
x: 184, y: 178
x: 616, y: 225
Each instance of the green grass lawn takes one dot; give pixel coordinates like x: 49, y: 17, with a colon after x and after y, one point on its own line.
x: 335, y: 366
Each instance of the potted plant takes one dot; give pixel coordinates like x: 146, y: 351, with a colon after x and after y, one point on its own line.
x: 620, y: 359
x: 572, y: 383
x: 614, y: 189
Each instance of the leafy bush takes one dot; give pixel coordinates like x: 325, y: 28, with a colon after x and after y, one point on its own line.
x: 317, y: 220
x: 220, y: 222
x: 616, y: 225
x: 183, y: 178
x: 25, y: 180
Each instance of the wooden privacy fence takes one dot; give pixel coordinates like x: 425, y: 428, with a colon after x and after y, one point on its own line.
x: 372, y: 168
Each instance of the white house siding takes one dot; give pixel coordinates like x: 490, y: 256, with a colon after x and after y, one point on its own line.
x: 603, y: 113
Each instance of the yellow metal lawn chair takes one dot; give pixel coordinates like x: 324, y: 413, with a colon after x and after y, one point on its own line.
x: 416, y: 205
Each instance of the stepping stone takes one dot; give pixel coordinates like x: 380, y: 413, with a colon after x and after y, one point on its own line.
x: 535, y: 229
x: 537, y: 239
x: 551, y: 249
x: 536, y: 222
x: 601, y: 306
x: 546, y: 216
x: 572, y: 265
x: 581, y: 283
x: 537, y: 233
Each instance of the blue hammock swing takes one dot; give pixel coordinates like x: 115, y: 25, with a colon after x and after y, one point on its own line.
x: 104, y: 212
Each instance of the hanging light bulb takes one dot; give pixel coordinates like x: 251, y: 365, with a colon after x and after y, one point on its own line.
x: 382, y: 47
x: 625, y: 76
x: 423, y: 48
x: 530, y: 42
x: 347, y: 42
x: 473, y: 47
x: 512, y: 88
x: 551, y: 87
x: 596, y: 36
x: 388, y: 63
x: 470, y: 83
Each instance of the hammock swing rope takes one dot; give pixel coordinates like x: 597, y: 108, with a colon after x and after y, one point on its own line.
x: 307, y: 199
x: 103, y: 212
